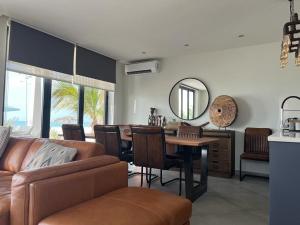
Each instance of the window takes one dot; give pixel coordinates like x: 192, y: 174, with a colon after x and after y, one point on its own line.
x: 64, y: 107
x: 94, y: 109
x: 23, y: 104
x: 186, y: 102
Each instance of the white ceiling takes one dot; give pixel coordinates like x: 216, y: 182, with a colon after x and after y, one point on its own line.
x: 123, y: 29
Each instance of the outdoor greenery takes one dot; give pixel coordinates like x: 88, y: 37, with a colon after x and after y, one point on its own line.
x: 65, y: 97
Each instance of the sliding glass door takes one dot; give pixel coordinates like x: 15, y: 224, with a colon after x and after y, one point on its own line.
x: 64, y: 107
x: 23, y: 104
x: 94, y: 109
x: 24, y: 107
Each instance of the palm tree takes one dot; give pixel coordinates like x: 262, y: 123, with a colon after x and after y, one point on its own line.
x: 94, y: 105
x: 65, y: 97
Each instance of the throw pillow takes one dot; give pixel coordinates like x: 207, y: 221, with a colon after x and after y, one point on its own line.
x: 50, y: 154
x: 4, y: 138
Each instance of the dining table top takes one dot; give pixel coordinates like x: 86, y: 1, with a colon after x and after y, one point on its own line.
x: 174, y: 140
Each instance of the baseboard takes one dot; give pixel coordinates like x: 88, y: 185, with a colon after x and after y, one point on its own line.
x: 255, y: 174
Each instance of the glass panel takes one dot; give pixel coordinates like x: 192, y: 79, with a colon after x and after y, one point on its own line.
x: 184, y: 104
x: 179, y: 102
x: 64, y: 107
x: 23, y: 104
x: 191, y: 104
x: 94, y: 109
x: 111, y: 108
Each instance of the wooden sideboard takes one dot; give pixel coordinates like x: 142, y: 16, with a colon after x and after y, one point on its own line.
x: 221, y: 155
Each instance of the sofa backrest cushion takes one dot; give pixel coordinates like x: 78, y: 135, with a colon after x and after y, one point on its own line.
x: 15, y: 153
x: 84, y: 149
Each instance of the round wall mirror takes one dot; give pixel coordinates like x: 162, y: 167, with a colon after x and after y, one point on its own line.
x: 189, y: 98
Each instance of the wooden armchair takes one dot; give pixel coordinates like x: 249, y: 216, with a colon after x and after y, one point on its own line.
x: 256, y: 146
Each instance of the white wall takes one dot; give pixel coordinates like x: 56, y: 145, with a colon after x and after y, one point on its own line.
x: 118, y: 98
x: 251, y: 75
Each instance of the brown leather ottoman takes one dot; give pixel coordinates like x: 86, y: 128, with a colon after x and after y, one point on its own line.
x: 127, y: 206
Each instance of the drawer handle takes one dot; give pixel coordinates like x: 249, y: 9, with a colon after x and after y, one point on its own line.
x: 215, y: 161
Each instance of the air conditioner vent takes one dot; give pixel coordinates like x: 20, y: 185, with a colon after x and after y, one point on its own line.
x: 142, y: 67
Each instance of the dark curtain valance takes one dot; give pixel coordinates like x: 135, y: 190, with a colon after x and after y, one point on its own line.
x: 35, y: 48
x: 94, y: 65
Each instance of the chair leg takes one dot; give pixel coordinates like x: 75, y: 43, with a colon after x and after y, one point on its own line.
x: 180, y: 181
x: 142, y: 176
x: 164, y: 183
x: 242, y: 176
x: 150, y: 179
x: 161, y: 178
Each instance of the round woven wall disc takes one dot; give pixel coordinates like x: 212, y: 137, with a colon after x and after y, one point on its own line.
x: 223, y: 111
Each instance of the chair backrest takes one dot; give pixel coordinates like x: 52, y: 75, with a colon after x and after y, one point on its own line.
x: 191, y: 132
x: 73, y: 132
x: 256, y: 140
x: 110, y: 137
x: 149, y: 148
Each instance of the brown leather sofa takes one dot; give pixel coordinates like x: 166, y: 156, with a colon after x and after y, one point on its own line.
x: 16, y: 156
x: 92, y: 191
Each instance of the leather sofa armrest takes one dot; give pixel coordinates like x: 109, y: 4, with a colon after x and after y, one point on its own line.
x: 26, y: 177
x: 41, y: 192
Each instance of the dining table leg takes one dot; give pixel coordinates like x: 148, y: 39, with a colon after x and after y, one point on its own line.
x: 194, y: 192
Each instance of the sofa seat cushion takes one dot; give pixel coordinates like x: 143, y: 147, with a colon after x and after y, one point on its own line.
x: 127, y: 206
x: 5, y: 190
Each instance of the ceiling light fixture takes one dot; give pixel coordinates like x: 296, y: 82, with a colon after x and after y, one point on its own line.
x: 291, y: 38
x: 144, y: 53
x: 186, y: 45
x: 241, y: 35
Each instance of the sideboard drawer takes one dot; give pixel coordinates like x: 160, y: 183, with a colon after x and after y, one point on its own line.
x: 219, y: 155
x: 218, y: 166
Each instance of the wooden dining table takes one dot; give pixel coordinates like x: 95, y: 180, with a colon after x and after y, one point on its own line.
x: 189, y: 146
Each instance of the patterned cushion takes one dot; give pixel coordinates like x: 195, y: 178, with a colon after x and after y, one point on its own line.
x: 4, y: 138
x: 50, y: 154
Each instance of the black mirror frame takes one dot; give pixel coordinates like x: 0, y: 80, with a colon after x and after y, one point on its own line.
x: 205, y: 107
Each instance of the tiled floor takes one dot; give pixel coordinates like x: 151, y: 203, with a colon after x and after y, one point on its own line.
x: 227, y: 202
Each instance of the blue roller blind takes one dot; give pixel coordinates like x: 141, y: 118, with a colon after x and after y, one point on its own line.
x: 94, y: 65
x: 36, y: 48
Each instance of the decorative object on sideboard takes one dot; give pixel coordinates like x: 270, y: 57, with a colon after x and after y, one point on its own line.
x: 189, y: 99
x: 291, y: 123
x: 291, y: 41
x: 152, y: 118
x: 223, y: 111
x: 156, y: 120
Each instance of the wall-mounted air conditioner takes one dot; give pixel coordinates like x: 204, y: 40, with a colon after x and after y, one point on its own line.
x: 142, y: 67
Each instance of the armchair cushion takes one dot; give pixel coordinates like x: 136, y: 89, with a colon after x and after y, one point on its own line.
x: 130, y: 206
